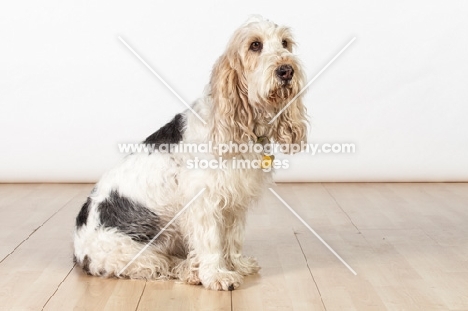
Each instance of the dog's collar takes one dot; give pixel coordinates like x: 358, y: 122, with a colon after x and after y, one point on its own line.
x: 262, y: 140
x: 267, y: 160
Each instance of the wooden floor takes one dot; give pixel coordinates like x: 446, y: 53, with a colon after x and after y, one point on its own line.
x: 407, y: 242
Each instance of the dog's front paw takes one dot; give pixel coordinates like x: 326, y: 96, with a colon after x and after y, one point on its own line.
x: 245, y: 265
x: 224, y: 280
x: 187, y: 273
x: 192, y: 278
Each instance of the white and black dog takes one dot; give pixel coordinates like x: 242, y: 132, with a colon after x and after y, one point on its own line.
x: 251, y: 82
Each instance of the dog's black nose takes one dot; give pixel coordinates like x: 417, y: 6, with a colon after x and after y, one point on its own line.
x: 285, y: 72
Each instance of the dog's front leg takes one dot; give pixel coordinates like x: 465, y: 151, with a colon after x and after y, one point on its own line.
x: 207, y: 248
x: 234, y: 229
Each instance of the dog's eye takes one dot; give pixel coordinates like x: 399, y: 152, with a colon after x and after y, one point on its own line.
x: 256, y: 46
x: 285, y: 43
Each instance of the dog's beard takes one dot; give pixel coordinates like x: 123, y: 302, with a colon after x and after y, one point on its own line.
x: 283, y: 91
x: 275, y: 94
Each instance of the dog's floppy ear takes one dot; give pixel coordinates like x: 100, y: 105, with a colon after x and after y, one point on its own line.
x: 291, y: 125
x: 233, y: 116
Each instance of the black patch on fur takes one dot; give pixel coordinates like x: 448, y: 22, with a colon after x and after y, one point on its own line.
x: 82, y: 217
x: 85, y: 264
x: 171, y: 133
x: 129, y: 217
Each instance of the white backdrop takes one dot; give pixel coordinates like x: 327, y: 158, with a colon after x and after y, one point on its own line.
x: 70, y: 91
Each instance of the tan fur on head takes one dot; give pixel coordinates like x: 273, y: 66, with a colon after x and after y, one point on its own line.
x: 247, y: 93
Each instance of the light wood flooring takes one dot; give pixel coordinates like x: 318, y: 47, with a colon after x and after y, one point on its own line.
x: 407, y: 242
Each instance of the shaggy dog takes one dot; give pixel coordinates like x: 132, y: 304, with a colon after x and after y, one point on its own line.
x: 142, y: 198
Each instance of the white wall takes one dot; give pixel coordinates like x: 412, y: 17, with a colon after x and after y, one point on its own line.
x: 70, y: 91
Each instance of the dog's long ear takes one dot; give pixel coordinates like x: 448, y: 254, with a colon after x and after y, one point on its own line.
x: 291, y: 125
x: 233, y: 116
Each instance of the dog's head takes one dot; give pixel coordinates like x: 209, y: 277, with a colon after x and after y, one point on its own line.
x: 256, y: 77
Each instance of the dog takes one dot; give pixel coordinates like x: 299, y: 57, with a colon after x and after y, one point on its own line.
x: 142, y: 198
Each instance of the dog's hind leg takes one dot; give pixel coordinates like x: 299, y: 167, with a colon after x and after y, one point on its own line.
x: 109, y: 253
